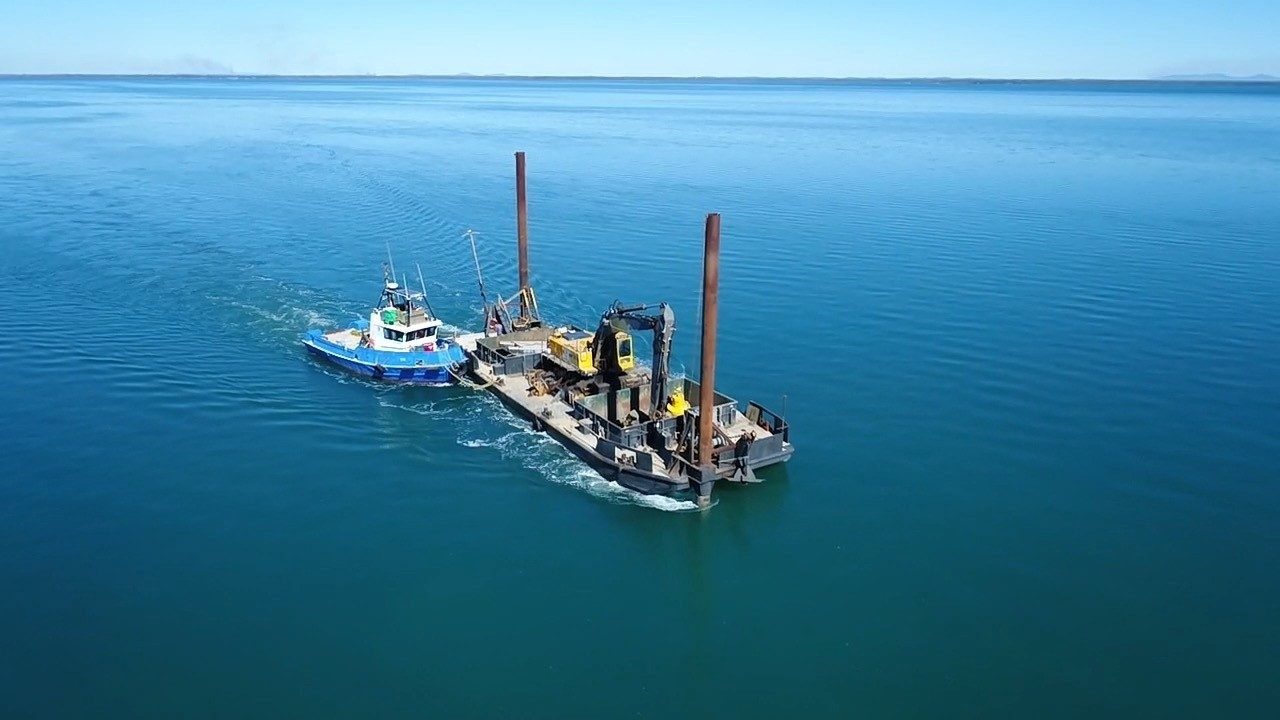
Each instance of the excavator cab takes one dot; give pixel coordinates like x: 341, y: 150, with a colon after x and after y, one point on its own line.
x: 614, y: 351
x: 616, y: 356
x: 626, y: 357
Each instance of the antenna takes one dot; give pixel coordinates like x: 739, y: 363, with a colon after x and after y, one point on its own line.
x: 470, y: 235
x: 423, y: 283
x: 391, y: 262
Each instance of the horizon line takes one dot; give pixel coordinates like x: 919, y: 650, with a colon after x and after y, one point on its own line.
x: 1190, y: 77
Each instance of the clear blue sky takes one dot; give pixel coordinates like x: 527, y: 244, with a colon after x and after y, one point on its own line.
x: 1031, y: 39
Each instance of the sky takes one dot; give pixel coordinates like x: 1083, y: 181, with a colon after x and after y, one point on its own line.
x: 783, y: 38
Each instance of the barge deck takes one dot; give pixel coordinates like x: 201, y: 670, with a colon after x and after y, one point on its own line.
x: 610, y: 429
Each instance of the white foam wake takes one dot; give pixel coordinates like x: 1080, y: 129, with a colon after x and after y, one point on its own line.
x: 534, y: 451
x: 538, y: 452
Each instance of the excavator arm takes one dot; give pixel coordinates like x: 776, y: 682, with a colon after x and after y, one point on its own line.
x: 637, y: 318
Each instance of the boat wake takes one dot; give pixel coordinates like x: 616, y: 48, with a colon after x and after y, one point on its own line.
x: 282, y: 320
x: 276, y: 311
x: 533, y: 450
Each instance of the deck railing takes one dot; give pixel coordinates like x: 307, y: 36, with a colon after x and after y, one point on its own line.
x: 772, y: 421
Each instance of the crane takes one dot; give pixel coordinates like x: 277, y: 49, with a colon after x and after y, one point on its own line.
x: 611, y: 346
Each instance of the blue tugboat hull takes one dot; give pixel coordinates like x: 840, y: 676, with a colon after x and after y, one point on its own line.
x: 436, y: 367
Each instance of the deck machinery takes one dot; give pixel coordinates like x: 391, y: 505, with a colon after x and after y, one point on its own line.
x: 634, y: 424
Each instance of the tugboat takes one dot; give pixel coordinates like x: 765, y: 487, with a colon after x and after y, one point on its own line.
x: 400, y: 343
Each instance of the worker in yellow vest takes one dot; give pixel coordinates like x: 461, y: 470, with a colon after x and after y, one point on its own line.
x: 676, y: 404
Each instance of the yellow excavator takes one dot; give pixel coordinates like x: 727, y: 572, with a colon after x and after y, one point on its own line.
x: 613, y: 351
x: 609, y: 354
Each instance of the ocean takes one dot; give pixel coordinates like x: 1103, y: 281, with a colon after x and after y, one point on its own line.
x: 1026, y: 336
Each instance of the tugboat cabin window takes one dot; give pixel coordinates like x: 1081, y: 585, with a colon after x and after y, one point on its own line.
x: 390, y: 334
x: 420, y: 334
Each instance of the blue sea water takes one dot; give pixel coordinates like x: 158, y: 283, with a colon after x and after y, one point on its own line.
x: 1027, y: 337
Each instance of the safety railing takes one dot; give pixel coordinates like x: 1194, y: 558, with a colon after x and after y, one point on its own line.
x: 768, y: 419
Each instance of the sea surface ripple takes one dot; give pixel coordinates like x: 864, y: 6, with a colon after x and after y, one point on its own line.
x: 1026, y: 336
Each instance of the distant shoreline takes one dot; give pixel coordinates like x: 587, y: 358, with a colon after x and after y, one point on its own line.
x: 1262, y: 78
x: 1179, y: 79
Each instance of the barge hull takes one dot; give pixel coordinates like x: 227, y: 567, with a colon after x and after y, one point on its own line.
x: 629, y: 478
x: 506, y: 374
x: 416, y: 375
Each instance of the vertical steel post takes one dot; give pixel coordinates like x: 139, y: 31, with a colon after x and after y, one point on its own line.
x: 710, y: 320
x: 522, y: 233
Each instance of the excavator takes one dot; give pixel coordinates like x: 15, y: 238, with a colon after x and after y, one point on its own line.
x: 612, y: 346
x: 609, y: 355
